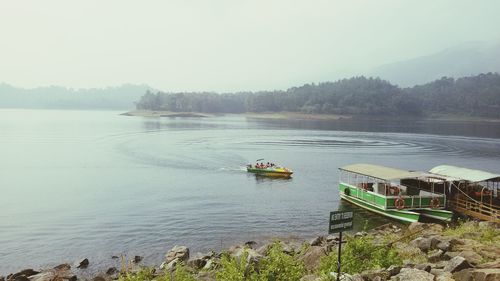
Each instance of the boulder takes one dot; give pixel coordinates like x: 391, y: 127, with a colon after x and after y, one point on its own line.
x: 416, y: 226
x: 332, y: 239
x: 54, y: 275
x: 360, y: 234
x: 375, y: 274
x: 180, y: 253
x: 443, y: 245
x: 318, y: 241
x: 456, y: 264
x: 478, y: 274
x: 424, y: 267
x: 449, y: 255
x: 441, y: 275
x: 251, y: 244
x: 111, y: 271
x: 197, y: 262
x: 262, y: 250
x: 23, y: 273
x: 435, y: 256
x: 137, y: 259
x: 424, y: 244
x: 413, y: 274
x: 343, y: 276
x: 99, y: 278
x: 492, y: 264
x: 82, y: 264
x: 471, y: 256
x: 63, y: 266
x: 2, y: 278
x: 312, y: 256
x: 393, y: 270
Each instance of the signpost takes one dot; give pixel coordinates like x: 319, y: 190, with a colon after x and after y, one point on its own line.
x: 340, y: 221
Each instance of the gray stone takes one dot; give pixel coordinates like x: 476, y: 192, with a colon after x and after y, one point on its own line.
x: 471, y: 256
x: 25, y: 272
x: 99, y: 278
x: 343, y: 276
x: 375, y: 274
x: 63, y: 266
x: 478, y: 274
x: 251, y: 244
x: 441, y: 275
x: 413, y: 274
x: 449, y: 255
x: 393, y: 270
x: 83, y: 264
x: 197, y: 263
x: 178, y: 252
x: 424, y: 267
x: 332, y: 238
x: 2, y: 278
x: 435, y: 256
x: 443, y: 245
x: 456, y: 264
x: 111, y: 271
x: 424, y: 244
x: 318, y: 241
x: 416, y: 226
x: 312, y: 257
x: 137, y: 259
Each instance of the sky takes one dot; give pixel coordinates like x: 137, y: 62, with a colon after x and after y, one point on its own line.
x: 226, y: 45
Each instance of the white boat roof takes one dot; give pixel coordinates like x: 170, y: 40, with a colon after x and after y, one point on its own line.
x: 465, y: 173
x: 381, y: 172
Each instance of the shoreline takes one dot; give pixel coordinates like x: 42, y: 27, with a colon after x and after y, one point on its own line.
x: 465, y: 252
x: 310, y: 116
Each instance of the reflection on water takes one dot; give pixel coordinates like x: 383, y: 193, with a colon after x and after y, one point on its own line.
x: 96, y: 184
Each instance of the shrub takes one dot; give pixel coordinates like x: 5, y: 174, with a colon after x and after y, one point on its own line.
x: 279, y: 266
x: 234, y: 270
x: 360, y: 254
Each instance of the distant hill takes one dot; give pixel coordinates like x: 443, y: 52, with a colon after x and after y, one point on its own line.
x: 121, y: 97
x: 464, y: 60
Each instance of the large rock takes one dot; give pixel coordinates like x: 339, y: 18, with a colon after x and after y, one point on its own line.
x: 198, y: 261
x: 424, y: 244
x: 471, y: 256
x: 318, y: 241
x: 61, y: 274
x: 312, y: 256
x: 375, y: 274
x: 416, y: 226
x: 478, y: 274
x: 441, y: 275
x: 82, y: 264
x: 435, y: 256
x: 180, y: 253
x: 23, y: 273
x: 456, y: 264
x: 413, y: 274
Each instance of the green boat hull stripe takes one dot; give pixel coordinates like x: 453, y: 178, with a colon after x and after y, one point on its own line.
x: 406, y: 216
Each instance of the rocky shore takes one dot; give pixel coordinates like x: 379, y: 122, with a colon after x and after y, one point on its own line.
x: 470, y: 251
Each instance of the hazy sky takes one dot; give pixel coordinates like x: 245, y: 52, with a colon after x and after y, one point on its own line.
x: 225, y: 45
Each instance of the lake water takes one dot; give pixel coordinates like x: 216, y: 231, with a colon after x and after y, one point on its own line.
x: 95, y: 184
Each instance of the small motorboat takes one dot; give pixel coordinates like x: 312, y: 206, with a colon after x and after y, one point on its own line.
x: 269, y: 170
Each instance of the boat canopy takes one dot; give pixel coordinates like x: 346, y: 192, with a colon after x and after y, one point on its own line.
x: 381, y: 172
x: 465, y: 173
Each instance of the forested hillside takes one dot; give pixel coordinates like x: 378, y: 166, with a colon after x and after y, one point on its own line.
x: 472, y: 96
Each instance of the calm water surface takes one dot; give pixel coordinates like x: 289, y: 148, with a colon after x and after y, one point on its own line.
x: 96, y: 184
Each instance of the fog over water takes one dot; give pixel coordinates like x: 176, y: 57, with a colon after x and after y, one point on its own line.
x: 95, y: 184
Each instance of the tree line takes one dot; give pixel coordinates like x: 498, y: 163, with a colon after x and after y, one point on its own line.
x: 473, y: 96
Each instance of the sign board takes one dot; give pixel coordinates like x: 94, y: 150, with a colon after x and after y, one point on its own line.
x: 340, y: 221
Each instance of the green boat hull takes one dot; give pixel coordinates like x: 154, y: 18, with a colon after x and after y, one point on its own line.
x: 406, y: 216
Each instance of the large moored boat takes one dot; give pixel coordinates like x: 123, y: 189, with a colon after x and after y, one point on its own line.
x: 394, y: 193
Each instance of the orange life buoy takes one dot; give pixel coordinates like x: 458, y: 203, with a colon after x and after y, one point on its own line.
x: 393, y: 190
x: 434, y: 203
x: 399, y: 203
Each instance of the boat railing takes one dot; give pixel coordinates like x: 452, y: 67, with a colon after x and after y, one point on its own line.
x: 475, y: 209
x: 422, y: 200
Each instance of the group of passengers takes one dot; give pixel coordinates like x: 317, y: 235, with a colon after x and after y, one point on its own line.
x: 264, y: 166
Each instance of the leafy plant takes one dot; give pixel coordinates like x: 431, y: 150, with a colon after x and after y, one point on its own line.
x: 236, y: 270
x: 360, y: 254
x: 279, y: 266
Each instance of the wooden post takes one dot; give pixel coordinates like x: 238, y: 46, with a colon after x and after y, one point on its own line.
x: 338, y: 260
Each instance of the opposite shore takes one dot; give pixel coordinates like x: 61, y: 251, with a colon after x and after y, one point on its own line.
x: 419, y: 251
x: 308, y: 116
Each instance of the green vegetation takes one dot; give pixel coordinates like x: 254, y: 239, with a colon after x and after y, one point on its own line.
x: 471, y: 230
x: 277, y: 266
x: 468, y: 96
x: 361, y: 254
x: 179, y: 274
